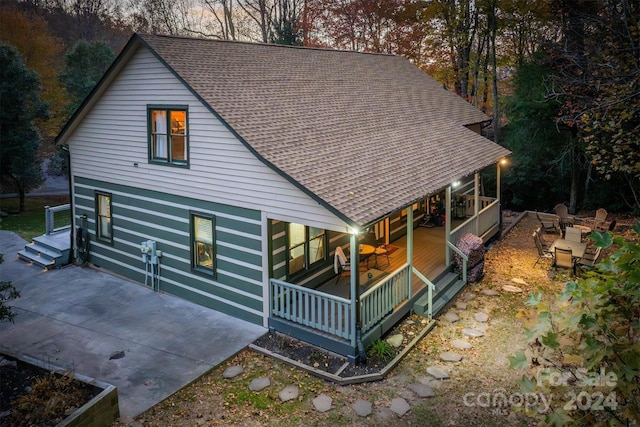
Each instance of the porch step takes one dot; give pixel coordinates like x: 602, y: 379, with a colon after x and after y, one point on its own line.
x: 446, y: 289
x: 48, y: 250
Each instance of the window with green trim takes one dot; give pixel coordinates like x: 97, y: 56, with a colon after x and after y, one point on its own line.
x: 104, y: 217
x: 168, y: 140
x: 306, y: 247
x: 203, y: 254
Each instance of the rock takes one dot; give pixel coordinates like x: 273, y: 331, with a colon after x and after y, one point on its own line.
x: 451, y: 317
x: 422, y: 390
x: 116, y: 355
x: 470, y: 332
x: 481, y: 317
x: 288, y: 393
x: 461, y: 305
x: 519, y: 281
x: 437, y: 372
x: 258, y: 384
x: 461, y: 344
x: 322, y: 403
x: 512, y: 289
x: 395, y: 340
x: 400, y: 406
x: 232, y: 371
x: 362, y: 407
x: 410, y: 322
x: 469, y: 296
x: 490, y: 292
x: 450, y: 356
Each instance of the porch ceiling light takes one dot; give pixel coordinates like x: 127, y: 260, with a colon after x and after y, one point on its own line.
x: 355, y: 231
x: 455, y: 184
x: 503, y: 161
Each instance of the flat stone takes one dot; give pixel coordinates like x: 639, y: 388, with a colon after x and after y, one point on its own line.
x: 410, y: 322
x: 512, y: 289
x: 490, y: 292
x: 422, y: 390
x: 450, y: 356
x: 461, y: 305
x: 395, y: 340
x: 258, y: 384
x: 470, y: 332
x: 481, y: 317
x: 362, y: 407
x: 461, y: 344
x: 519, y: 281
x: 437, y: 372
x: 469, y: 296
x: 288, y: 393
x: 233, y: 371
x: 451, y: 317
x: 322, y: 403
x: 400, y: 406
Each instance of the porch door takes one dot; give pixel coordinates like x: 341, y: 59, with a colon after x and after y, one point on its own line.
x: 381, y: 230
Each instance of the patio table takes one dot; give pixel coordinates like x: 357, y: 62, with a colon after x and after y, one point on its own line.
x: 365, y: 251
x: 577, y: 248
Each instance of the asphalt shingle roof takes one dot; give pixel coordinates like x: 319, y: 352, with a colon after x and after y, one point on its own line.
x: 365, y: 134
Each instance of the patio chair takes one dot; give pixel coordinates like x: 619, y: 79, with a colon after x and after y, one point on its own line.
x: 564, y: 258
x: 565, y: 220
x: 540, y: 234
x: 341, y: 264
x: 549, y: 225
x: 600, y: 220
x: 573, y: 234
x: 382, y: 251
x: 591, y: 259
x: 542, y: 252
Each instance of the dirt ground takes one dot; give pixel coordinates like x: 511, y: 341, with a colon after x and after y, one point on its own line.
x: 483, y: 371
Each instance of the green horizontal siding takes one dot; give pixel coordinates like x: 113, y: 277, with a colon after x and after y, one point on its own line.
x: 140, y: 215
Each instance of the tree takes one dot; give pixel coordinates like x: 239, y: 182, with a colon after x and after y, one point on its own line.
x: 85, y: 63
x: 20, y: 105
x: 584, y: 346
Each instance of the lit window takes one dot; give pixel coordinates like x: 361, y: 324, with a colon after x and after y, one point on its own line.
x: 306, y: 247
x: 168, y: 136
x: 203, y: 249
x: 104, y: 224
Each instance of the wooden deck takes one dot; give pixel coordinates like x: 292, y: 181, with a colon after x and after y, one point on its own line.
x: 428, y: 258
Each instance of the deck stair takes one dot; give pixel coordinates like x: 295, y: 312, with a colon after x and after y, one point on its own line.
x: 48, y: 251
x: 447, y: 287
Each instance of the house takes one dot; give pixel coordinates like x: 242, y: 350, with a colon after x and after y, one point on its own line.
x: 227, y: 173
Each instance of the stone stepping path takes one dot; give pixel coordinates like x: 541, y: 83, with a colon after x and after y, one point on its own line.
x: 422, y: 390
x: 399, y: 406
x: 461, y: 344
x: 490, y: 292
x: 450, y: 356
x: 469, y: 296
x: 471, y: 332
x: 481, y: 317
x: 511, y: 289
x: 362, y: 407
x: 438, y: 373
x: 289, y: 393
x: 461, y: 305
x: 232, y: 371
x: 258, y: 384
x: 322, y: 403
x: 451, y: 317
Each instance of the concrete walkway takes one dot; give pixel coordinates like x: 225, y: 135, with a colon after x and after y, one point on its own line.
x: 80, y: 319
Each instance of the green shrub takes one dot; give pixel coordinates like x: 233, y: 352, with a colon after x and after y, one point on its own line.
x: 381, y: 350
x: 584, y: 352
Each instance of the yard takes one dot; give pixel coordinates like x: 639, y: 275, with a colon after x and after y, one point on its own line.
x: 465, y: 398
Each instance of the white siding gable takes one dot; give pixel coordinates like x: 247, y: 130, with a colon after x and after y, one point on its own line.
x: 110, y: 144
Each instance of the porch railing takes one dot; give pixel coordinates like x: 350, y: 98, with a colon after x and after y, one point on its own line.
x: 308, y: 307
x: 57, y: 218
x: 487, y: 218
x: 380, y: 300
x: 430, y: 289
x: 465, y: 260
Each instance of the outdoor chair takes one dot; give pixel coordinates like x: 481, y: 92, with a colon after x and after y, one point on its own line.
x: 542, y: 252
x: 573, y: 234
x: 549, y: 225
x: 340, y: 263
x: 382, y: 251
x: 543, y: 242
x: 562, y: 212
x: 590, y: 259
x: 564, y: 258
x: 599, y: 221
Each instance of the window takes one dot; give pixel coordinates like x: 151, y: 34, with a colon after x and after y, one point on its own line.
x: 168, y: 135
x: 306, y: 247
x: 202, y: 238
x: 104, y: 224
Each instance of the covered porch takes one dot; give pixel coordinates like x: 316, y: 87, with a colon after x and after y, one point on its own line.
x: 344, y: 314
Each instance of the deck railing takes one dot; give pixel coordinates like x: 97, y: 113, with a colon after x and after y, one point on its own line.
x: 488, y: 217
x: 57, y: 218
x: 308, y: 307
x: 380, y: 300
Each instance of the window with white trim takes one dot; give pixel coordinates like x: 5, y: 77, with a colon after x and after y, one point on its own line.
x: 104, y: 218
x: 203, y: 256
x: 306, y: 247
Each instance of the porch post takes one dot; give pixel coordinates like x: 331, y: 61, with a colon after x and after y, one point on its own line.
x: 447, y: 224
x: 498, y: 195
x: 410, y: 246
x: 476, y: 202
x: 355, y: 288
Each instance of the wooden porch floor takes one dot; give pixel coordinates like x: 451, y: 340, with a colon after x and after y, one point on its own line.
x: 428, y: 258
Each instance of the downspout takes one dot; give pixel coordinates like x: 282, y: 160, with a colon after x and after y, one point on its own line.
x: 71, y: 211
